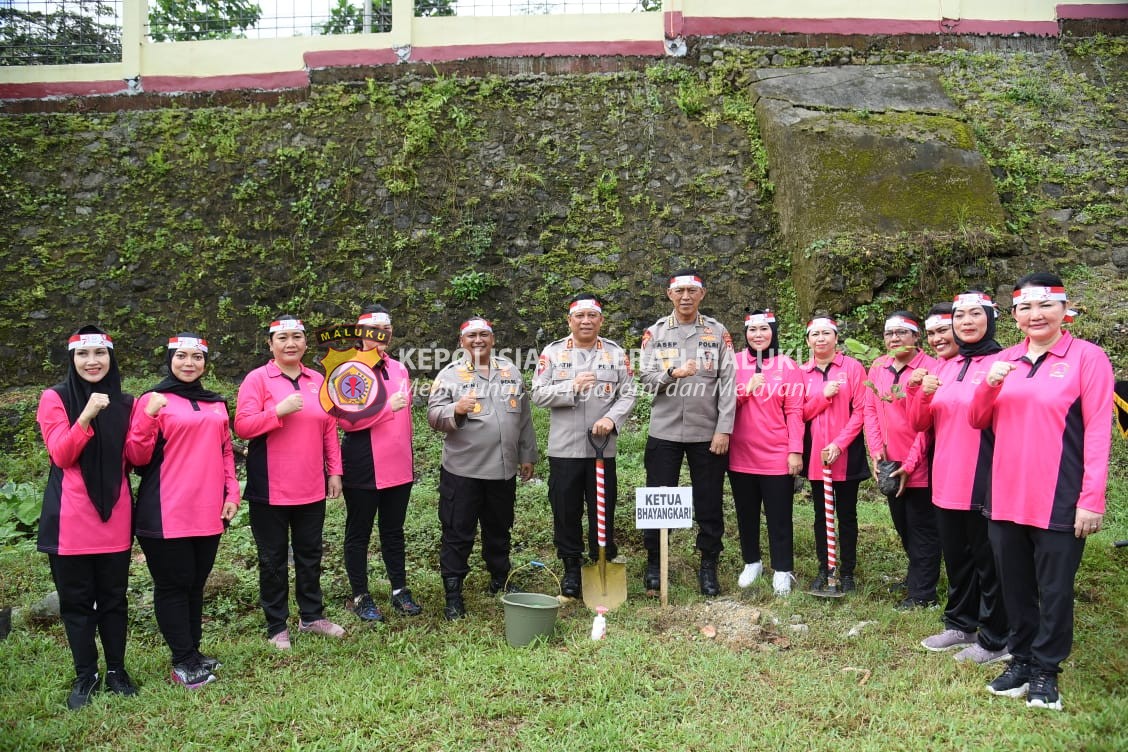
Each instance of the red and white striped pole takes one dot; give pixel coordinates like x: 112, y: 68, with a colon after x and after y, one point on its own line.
x: 828, y: 512
x: 600, y: 505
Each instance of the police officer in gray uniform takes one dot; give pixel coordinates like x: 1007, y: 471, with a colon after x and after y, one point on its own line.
x: 586, y: 381
x: 689, y: 365
x: 480, y: 404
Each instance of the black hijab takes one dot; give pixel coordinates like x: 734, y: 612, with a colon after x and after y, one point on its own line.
x: 773, y: 347
x: 101, y: 458
x: 985, y: 346
x: 188, y: 390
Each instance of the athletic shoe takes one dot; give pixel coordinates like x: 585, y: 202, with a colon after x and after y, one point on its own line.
x: 978, y: 654
x: 781, y: 583
x: 82, y: 690
x: 405, y: 604
x: 1014, y: 681
x: 947, y: 640
x: 750, y: 574
x: 910, y: 604
x: 322, y: 627
x: 118, y: 682
x: 191, y: 674
x: 211, y: 664
x: 365, y: 608
x: 847, y: 584
x: 281, y: 640
x: 1043, y: 691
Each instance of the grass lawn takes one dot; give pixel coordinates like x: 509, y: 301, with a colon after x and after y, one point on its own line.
x: 778, y: 674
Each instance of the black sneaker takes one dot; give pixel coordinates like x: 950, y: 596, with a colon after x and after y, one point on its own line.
x: 191, y: 674
x: 366, y: 609
x: 405, y: 604
x: 911, y: 604
x: 847, y: 584
x: 206, y: 661
x: 82, y: 690
x: 1014, y: 680
x: 118, y: 682
x: 1043, y: 691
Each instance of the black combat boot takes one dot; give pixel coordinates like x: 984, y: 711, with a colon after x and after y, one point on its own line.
x: 652, y: 579
x: 455, y: 608
x: 570, y: 585
x: 707, y: 575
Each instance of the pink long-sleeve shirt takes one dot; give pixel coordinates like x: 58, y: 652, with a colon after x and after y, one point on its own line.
x: 288, y: 458
x: 889, y: 428
x: 376, y: 451
x: 1052, y: 420
x: 69, y: 525
x: 189, y: 467
x: 837, y: 420
x: 769, y: 419
x: 961, y: 455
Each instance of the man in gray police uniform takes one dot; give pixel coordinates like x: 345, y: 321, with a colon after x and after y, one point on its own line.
x: 480, y: 404
x: 688, y: 362
x: 586, y: 381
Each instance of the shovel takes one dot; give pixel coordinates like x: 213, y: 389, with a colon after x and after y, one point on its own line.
x: 605, y: 583
x: 832, y: 590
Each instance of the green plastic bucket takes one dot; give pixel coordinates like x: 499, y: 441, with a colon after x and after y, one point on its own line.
x: 528, y: 616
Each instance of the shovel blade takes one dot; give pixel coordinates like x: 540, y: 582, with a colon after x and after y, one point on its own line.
x: 608, y: 590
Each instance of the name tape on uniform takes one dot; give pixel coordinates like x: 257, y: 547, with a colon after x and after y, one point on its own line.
x: 663, y: 507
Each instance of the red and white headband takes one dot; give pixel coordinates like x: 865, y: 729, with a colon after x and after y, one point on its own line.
x: 475, y: 325
x: 188, y: 343
x: 971, y: 300
x: 379, y: 318
x: 934, y: 322
x: 287, y: 325
x: 686, y: 280
x: 585, y: 304
x: 1038, y: 294
x: 757, y: 319
x: 93, y: 339
x: 822, y: 322
x: 900, y: 322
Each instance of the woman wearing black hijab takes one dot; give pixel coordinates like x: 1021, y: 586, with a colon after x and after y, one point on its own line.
x: 86, y: 524
x: 180, y: 439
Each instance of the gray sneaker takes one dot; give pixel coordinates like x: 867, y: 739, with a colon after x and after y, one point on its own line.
x: 947, y: 640
x: 978, y: 654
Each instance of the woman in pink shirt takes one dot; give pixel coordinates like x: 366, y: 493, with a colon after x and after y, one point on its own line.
x: 85, y: 526
x: 1048, y: 400
x: 293, y: 464
x: 180, y: 442
x: 766, y: 449
x: 891, y: 437
x: 833, y: 409
x: 975, y: 620
x: 378, y: 475
x: 938, y: 326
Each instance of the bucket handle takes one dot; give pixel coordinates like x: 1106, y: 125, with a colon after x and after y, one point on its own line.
x: 533, y: 564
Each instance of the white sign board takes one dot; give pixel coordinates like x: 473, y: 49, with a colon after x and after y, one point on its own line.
x: 663, y: 507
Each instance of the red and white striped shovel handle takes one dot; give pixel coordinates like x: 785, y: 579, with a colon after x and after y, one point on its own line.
x: 828, y: 512
x: 600, y: 488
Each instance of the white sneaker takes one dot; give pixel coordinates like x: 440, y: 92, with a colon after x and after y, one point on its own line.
x: 781, y: 583
x: 749, y: 575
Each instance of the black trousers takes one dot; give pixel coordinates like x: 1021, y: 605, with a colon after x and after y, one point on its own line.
x: 277, y: 528
x: 663, y: 461
x: 464, y: 504
x: 180, y: 569
x: 975, y: 599
x: 92, y: 600
x: 775, y: 493
x: 571, y: 481
x: 387, y: 508
x: 1037, y: 568
x: 846, y: 513
x: 914, y: 518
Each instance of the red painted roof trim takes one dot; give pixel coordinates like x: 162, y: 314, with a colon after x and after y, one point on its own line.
x: 1084, y: 11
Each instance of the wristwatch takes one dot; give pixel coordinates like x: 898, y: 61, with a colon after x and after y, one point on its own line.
x: 670, y: 372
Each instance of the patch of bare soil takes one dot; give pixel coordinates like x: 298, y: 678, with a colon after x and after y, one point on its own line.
x: 737, y: 625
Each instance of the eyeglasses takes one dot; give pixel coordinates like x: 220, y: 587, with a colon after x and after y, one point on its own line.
x: 898, y: 333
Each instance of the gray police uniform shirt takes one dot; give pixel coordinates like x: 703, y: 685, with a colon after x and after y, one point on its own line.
x: 612, y: 395
x: 694, y: 408
x: 496, y: 436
